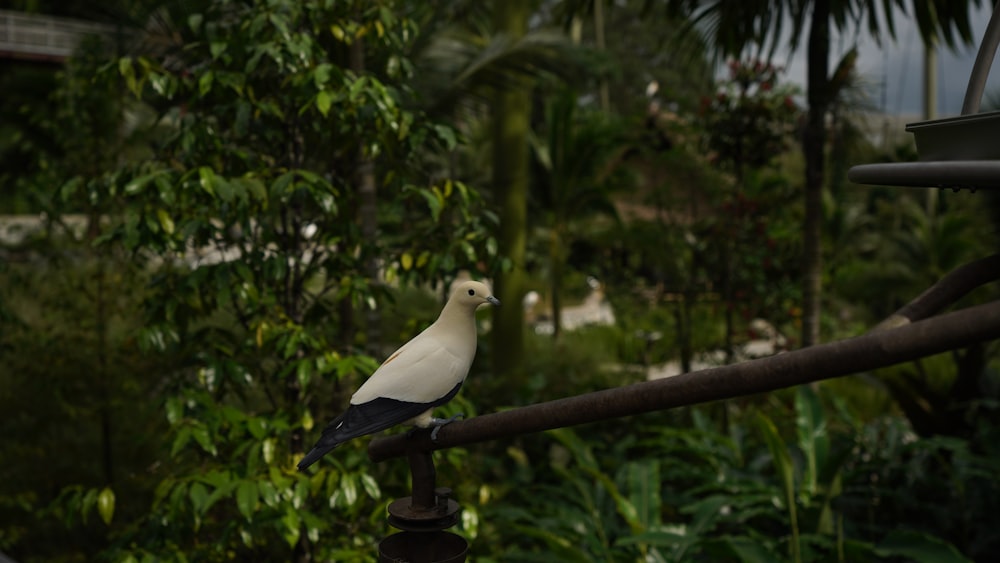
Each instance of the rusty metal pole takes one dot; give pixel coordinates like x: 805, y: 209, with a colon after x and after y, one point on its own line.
x: 871, y: 351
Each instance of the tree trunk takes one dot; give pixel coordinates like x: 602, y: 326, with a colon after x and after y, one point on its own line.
x: 817, y: 81
x: 101, y: 314
x: 556, y: 276
x: 364, y: 182
x: 511, y: 113
x: 604, y: 90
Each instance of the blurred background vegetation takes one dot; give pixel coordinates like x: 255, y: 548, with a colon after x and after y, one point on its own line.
x: 238, y: 207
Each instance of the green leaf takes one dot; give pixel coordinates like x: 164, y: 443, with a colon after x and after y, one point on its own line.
x: 217, y: 48
x: 434, y: 202
x: 136, y: 185
x: 356, y: 87
x: 748, y: 550
x: 779, y: 454
x: 625, y: 507
x: 106, y: 504
x: 267, y: 450
x: 199, y: 496
x: 786, y: 472
x: 301, y: 494
x: 205, y: 83
x: 280, y: 186
x: 303, y: 372
x: 269, y: 494
x: 322, y: 74
x: 254, y: 187
x: 224, y: 189
x: 257, y: 426
x: 201, y: 436
x: 291, y: 523
x: 87, y: 503
x: 166, y: 223
x: 183, y: 437
x: 206, y: 178
x: 810, y: 424
x: 447, y: 135
x: 470, y: 252
x: 223, y: 487
x: 919, y: 548
x: 127, y: 71
x: 175, y: 409
x: 326, y: 201
x: 310, y: 176
x: 706, y: 514
x: 558, y: 547
x: 324, y: 100
x: 371, y: 486
x: 338, y: 33
x: 349, y: 488
x: 663, y: 538
x: 643, y: 479
x: 246, y: 498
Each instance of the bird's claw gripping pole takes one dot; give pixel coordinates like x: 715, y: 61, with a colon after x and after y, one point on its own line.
x: 423, y: 517
x: 439, y: 422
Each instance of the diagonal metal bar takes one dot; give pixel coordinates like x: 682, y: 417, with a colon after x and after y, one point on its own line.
x: 870, y: 351
x: 949, y: 289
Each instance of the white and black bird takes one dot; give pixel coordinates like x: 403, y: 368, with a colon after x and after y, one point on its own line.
x: 424, y: 373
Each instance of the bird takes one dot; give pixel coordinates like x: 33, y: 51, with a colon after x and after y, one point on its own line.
x: 422, y: 374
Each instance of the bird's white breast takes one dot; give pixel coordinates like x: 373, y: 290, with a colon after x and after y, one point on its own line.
x: 425, y: 368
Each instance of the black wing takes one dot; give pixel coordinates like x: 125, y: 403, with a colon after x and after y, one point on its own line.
x: 368, y: 418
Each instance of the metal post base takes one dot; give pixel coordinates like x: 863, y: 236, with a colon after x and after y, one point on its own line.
x: 423, y: 517
x: 423, y: 547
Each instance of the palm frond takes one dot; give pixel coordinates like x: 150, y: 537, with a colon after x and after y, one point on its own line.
x: 461, y: 64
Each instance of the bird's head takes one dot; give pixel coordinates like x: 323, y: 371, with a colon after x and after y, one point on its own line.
x: 473, y: 294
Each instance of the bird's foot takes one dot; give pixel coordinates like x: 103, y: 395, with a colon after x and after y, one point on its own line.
x: 437, y: 423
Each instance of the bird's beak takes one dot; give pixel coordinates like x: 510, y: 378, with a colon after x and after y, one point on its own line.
x: 493, y: 301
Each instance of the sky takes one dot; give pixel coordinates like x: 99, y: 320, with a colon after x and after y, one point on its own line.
x: 893, y: 72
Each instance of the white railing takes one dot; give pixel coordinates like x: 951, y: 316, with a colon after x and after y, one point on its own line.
x: 44, y: 36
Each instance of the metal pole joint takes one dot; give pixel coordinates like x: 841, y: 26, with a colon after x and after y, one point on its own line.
x: 423, y: 517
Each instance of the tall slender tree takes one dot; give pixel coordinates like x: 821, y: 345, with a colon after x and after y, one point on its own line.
x: 577, y: 158
x: 732, y: 27
x: 511, y: 125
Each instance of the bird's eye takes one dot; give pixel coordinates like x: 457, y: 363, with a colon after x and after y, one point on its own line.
x: 472, y: 292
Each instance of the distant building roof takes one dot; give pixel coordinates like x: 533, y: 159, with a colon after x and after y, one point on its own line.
x: 40, y: 37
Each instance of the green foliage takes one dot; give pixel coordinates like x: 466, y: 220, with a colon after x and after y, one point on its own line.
x: 680, y: 488
x: 243, y: 212
x: 751, y: 118
x: 193, y: 307
x: 269, y: 199
x: 933, y: 486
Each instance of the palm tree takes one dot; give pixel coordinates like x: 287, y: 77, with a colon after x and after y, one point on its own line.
x: 468, y: 73
x: 733, y: 26
x: 577, y: 157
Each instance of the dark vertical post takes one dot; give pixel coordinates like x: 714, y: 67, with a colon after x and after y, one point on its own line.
x: 423, y: 476
x: 423, y: 517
